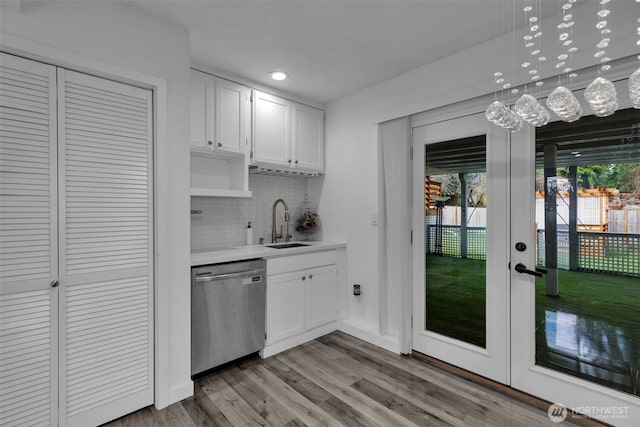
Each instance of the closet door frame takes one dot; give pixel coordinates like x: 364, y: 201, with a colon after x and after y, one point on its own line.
x: 166, y: 390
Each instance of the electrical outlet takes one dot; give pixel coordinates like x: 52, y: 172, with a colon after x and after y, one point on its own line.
x: 356, y: 289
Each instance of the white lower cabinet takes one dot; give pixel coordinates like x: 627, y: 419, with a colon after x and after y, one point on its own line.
x: 301, y: 299
x: 286, y: 306
x: 321, y: 296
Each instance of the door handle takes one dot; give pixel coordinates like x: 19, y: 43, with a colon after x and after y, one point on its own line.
x: 521, y: 268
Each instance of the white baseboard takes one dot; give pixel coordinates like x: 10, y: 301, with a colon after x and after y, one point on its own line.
x: 281, y: 346
x: 176, y: 394
x: 388, y: 343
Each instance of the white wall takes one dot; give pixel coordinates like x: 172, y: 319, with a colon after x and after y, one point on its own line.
x: 349, y: 195
x: 108, y: 33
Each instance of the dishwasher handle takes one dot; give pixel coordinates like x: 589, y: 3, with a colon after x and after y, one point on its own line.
x: 203, y: 278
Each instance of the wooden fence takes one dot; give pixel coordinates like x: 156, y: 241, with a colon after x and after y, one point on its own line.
x: 624, y: 221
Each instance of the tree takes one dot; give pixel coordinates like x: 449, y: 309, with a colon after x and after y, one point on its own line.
x: 623, y: 176
x: 630, y: 180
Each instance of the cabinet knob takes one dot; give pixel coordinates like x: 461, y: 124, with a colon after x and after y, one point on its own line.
x: 219, y: 144
x: 304, y: 277
x: 209, y: 143
x: 311, y: 276
x: 296, y: 162
x: 54, y: 284
x: 289, y: 161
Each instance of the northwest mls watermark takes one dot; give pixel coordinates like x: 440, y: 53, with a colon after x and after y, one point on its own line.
x: 558, y: 412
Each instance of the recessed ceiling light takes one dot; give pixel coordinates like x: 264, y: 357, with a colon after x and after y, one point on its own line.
x: 278, y: 75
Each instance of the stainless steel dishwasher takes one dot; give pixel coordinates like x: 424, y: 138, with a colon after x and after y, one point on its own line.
x: 227, y: 312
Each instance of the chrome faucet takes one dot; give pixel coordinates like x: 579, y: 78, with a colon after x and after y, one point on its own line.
x: 274, y: 234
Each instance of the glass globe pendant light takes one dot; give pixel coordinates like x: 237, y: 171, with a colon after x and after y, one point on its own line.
x: 498, y: 113
x: 527, y: 106
x: 501, y: 115
x: 532, y: 111
x: 602, y: 97
x: 562, y: 101
x: 601, y: 93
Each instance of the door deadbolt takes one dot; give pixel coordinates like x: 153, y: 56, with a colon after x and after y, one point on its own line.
x: 521, y: 247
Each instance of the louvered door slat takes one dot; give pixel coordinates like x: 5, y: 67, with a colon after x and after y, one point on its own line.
x: 108, y: 99
x: 89, y: 107
x: 105, y: 142
x: 28, y: 243
x: 126, y: 140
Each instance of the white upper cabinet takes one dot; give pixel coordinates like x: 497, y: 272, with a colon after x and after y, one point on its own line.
x: 271, y: 130
x: 308, y: 137
x: 202, y: 113
x: 232, y: 112
x: 219, y: 114
x: 220, y: 120
x: 287, y: 135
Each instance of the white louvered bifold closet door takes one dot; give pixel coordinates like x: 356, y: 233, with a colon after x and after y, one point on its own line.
x: 28, y: 244
x: 105, y: 193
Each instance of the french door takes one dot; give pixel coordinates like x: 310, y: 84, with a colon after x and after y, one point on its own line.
x: 575, y: 331
x: 460, y: 304
x: 555, y: 202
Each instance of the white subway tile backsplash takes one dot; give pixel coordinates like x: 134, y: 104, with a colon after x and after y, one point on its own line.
x: 223, y: 220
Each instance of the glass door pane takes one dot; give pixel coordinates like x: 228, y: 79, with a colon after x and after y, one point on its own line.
x: 455, y: 239
x: 588, y: 239
x: 460, y: 277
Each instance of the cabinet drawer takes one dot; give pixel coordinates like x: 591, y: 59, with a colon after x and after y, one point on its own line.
x: 300, y: 262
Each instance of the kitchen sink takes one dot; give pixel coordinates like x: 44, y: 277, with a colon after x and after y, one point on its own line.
x: 286, y: 245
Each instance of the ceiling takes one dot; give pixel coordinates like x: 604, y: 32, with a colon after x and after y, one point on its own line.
x: 331, y: 48
x: 591, y: 140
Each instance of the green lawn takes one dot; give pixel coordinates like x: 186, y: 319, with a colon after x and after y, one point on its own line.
x: 604, y: 309
x: 456, y: 298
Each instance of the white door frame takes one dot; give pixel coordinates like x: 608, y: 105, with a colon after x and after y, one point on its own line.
x: 492, y: 361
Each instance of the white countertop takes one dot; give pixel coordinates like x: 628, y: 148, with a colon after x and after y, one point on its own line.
x: 239, y: 253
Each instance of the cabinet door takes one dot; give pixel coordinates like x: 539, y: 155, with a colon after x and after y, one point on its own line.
x: 28, y: 244
x: 285, y: 306
x: 271, y: 130
x: 321, y: 296
x: 202, y: 110
x: 106, y: 264
x: 230, y: 116
x: 308, y: 137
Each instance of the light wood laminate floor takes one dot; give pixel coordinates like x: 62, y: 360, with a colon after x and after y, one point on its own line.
x: 339, y: 380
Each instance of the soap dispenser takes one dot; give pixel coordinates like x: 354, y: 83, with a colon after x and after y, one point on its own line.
x: 249, y: 234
